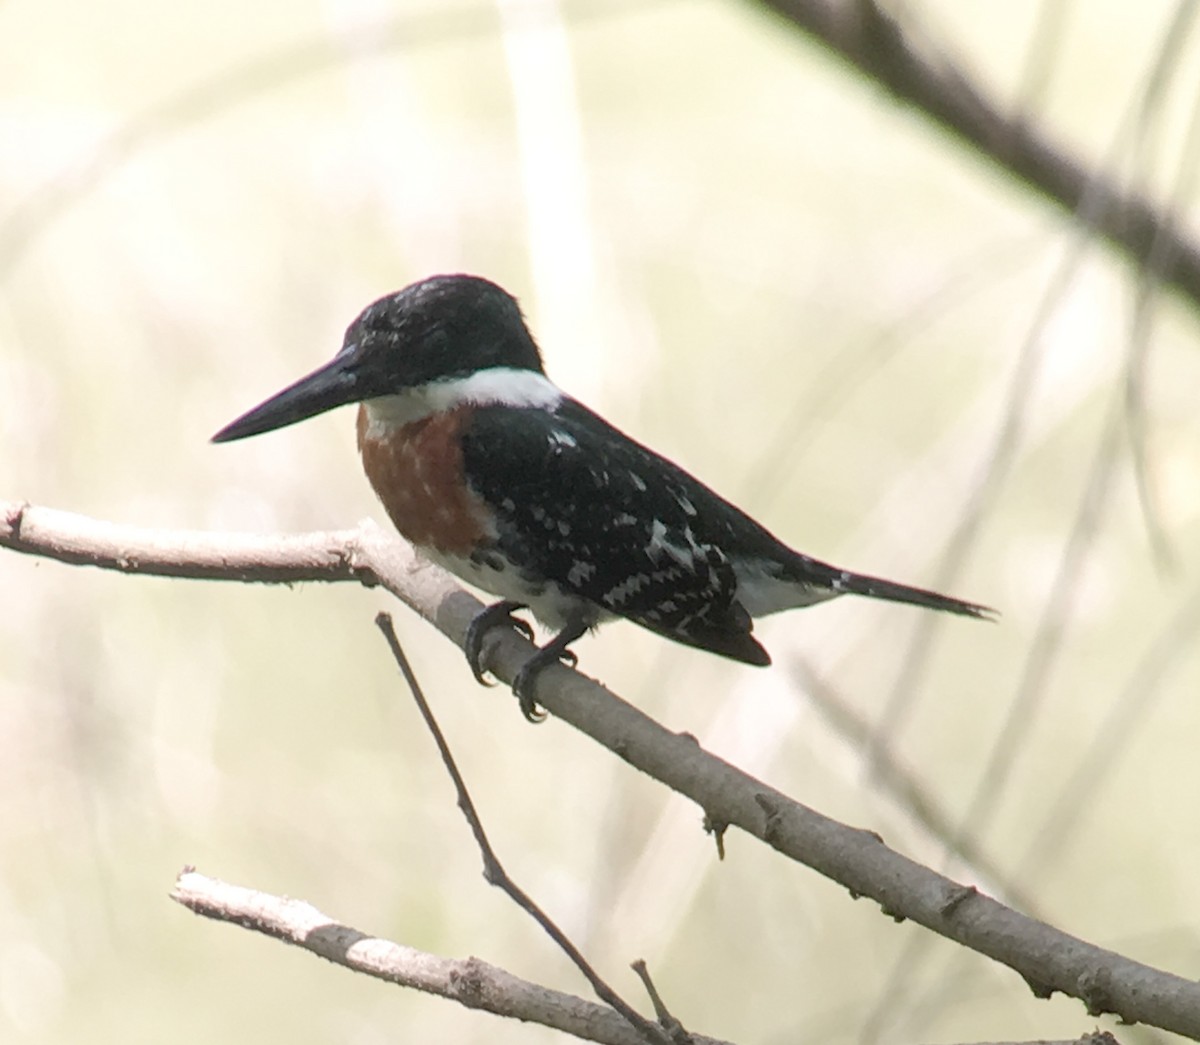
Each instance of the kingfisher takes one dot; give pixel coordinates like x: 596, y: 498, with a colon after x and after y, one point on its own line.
x: 493, y: 472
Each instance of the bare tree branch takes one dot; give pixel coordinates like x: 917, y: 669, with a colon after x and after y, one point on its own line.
x: 364, y: 554
x: 1047, y: 959
x: 1095, y: 1038
x: 877, y: 46
x: 200, y: 555
x: 470, y: 982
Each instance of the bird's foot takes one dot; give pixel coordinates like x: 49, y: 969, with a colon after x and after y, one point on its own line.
x: 525, y: 678
x: 487, y: 618
x: 554, y: 652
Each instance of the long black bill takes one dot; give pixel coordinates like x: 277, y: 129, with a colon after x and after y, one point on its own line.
x: 334, y: 384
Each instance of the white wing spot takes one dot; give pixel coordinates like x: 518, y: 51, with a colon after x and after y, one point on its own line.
x: 659, y: 545
x: 580, y: 571
x: 638, y: 481
x: 629, y: 586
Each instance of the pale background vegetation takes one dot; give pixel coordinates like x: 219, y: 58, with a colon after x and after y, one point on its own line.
x: 745, y: 257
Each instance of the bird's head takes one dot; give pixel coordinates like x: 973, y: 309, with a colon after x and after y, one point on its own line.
x: 434, y: 333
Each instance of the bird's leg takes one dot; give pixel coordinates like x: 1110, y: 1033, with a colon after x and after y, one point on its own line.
x: 497, y: 613
x: 555, y: 651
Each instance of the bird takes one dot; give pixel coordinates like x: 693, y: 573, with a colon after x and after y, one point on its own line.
x: 492, y: 471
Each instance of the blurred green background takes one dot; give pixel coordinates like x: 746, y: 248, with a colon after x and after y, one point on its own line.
x: 744, y: 256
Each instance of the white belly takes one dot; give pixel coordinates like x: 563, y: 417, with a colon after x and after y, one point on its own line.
x: 551, y: 605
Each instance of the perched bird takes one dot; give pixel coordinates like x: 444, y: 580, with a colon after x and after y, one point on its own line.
x: 493, y: 472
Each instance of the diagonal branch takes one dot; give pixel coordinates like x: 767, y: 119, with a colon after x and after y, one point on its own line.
x: 470, y: 981
x: 877, y: 46
x: 1048, y: 960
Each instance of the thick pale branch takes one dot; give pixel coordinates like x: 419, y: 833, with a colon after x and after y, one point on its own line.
x: 1047, y: 959
x: 364, y: 554
x: 1095, y: 1038
x: 270, y: 558
x: 469, y: 981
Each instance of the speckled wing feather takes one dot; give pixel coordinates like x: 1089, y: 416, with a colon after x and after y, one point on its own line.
x: 579, y: 503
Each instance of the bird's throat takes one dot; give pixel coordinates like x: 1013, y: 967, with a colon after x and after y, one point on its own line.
x: 496, y: 386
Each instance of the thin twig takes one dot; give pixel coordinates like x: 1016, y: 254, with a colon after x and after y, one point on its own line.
x: 674, y: 1028
x: 493, y: 870
x: 900, y: 783
x: 1137, y: 416
x: 1115, y: 733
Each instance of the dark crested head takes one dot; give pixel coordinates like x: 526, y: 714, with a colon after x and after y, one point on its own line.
x: 444, y: 327
x: 438, y: 329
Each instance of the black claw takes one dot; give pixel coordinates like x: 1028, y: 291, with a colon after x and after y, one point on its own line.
x: 554, y: 652
x: 481, y: 624
x: 529, y: 707
x: 525, y: 679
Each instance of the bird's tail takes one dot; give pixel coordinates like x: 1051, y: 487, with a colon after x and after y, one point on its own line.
x: 878, y: 588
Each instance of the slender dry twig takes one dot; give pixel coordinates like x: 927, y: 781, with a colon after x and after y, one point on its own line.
x: 673, y: 1027
x: 1044, y: 653
x: 493, y: 870
x: 1047, y: 959
x: 1012, y: 429
x: 1131, y: 708
x: 1137, y: 417
x: 829, y: 390
x: 470, y: 981
x: 1153, y: 260
x: 1046, y: 41
x: 901, y: 784
x: 994, y: 471
x: 1032, y: 688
